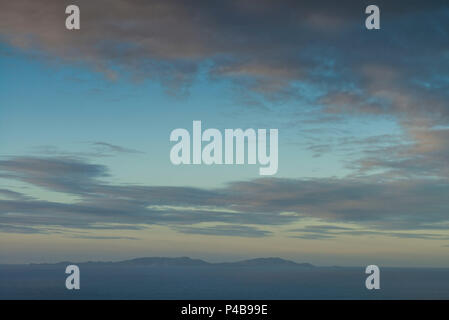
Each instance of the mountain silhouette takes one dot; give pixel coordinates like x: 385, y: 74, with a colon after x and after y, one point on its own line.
x: 163, y: 261
x: 267, y: 262
x: 186, y: 261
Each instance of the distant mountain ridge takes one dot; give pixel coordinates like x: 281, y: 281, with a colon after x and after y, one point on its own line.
x: 163, y: 261
x: 266, y: 262
x: 186, y: 261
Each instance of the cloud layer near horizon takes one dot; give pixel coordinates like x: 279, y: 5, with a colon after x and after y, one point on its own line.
x: 242, y: 208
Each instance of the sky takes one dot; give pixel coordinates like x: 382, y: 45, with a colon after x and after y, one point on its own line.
x: 363, y: 120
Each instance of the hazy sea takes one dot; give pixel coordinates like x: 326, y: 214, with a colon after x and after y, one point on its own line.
x: 103, y: 281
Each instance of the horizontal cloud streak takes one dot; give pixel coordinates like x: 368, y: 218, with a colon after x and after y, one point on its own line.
x: 225, y: 230
x: 324, y: 232
x: 412, y: 204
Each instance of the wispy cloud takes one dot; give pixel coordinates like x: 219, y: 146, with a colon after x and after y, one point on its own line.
x: 324, y: 232
x: 114, y: 148
x: 318, y: 54
x: 225, y: 230
x: 237, y: 209
x: 98, y: 150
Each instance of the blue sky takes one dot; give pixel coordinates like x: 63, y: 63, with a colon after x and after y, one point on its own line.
x: 44, y: 99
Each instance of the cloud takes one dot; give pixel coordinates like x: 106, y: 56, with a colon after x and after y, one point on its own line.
x: 225, y: 230
x: 116, y: 206
x: 387, y: 205
x: 114, y: 148
x: 316, y: 54
x: 103, y: 237
x: 19, y: 229
x: 425, y: 156
x: 8, y: 194
x: 101, y: 149
x: 268, y: 45
x: 63, y: 174
x: 325, y: 232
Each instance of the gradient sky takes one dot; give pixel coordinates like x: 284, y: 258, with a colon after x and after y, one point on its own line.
x: 363, y: 119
